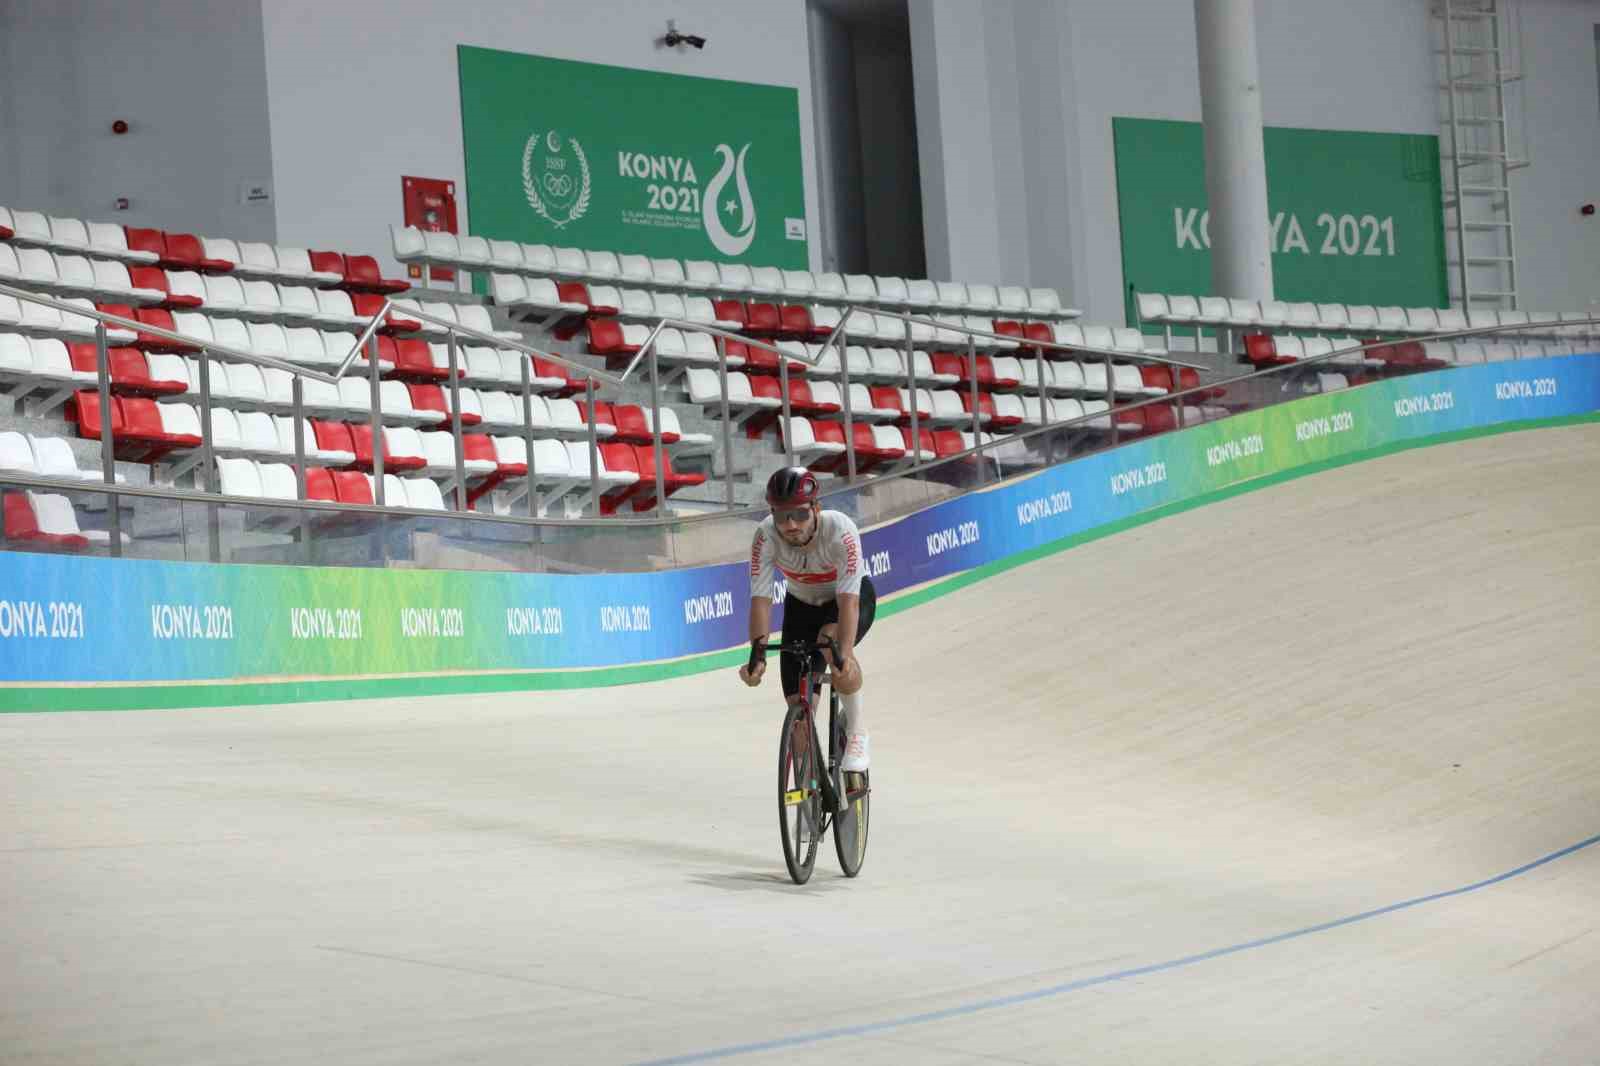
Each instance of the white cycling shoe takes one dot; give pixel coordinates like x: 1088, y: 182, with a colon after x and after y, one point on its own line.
x: 857, y: 754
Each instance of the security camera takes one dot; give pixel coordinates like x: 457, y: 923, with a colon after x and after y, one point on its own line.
x: 674, y: 38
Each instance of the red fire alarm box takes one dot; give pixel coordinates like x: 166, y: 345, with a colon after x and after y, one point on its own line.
x: 430, y: 205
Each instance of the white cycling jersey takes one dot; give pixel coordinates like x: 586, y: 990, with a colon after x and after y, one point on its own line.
x: 829, y: 564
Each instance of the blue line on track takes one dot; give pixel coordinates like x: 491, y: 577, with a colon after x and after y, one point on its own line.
x: 1103, y: 979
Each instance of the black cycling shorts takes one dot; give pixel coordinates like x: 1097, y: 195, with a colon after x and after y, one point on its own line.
x: 802, y: 621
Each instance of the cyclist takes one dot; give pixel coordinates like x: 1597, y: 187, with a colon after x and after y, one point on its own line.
x: 829, y: 594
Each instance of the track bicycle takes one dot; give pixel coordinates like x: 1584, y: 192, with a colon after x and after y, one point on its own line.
x: 812, y: 796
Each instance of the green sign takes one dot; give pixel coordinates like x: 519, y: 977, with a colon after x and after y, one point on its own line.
x: 1356, y: 217
x: 632, y: 161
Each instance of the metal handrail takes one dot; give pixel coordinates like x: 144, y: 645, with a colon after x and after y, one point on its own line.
x: 487, y: 338
x: 195, y: 342
x: 1057, y: 346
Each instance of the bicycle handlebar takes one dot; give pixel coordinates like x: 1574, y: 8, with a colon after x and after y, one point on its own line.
x: 759, y: 648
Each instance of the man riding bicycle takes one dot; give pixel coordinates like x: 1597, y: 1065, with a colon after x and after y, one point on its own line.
x: 829, y: 594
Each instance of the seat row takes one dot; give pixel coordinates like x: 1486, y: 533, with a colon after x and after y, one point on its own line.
x: 1264, y: 350
x: 184, y: 251
x: 410, y: 358
x: 626, y: 474
x: 41, y: 456
x: 1227, y: 312
x: 412, y: 245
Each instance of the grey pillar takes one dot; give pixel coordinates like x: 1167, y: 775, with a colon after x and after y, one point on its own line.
x: 1236, y: 169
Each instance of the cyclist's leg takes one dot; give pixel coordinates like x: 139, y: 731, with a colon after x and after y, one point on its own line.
x: 855, y: 717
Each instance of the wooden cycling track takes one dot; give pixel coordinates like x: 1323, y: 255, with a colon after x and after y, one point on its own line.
x: 1239, y: 786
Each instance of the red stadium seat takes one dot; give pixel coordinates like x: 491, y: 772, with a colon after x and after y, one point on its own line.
x: 352, y: 486
x: 828, y: 433
x: 886, y: 398
x: 762, y: 320
x: 366, y: 305
x: 1007, y: 328
x: 949, y: 364
x: 361, y: 441
x: 761, y: 361
x: 335, y: 437
x: 604, y: 417
x: 429, y: 397
x: 794, y: 321
x: 730, y: 311
x: 986, y: 411
x: 551, y: 370
x: 947, y: 442
x: 361, y: 275
x: 146, y: 240
x: 328, y: 263
x: 149, y: 277
x: 85, y: 411
x: 1261, y: 351
x: 1159, y: 377
x: 413, y: 360
x: 22, y: 526
x: 319, y: 485
x: 1159, y: 418
x: 184, y: 252
x: 672, y: 480
x: 1038, y: 332
x: 605, y: 338
x: 630, y: 423
x: 925, y: 440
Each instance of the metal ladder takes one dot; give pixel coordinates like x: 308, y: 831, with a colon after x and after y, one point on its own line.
x: 1477, y: 157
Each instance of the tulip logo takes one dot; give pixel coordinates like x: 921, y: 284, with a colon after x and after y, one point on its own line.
x: 714, y: 208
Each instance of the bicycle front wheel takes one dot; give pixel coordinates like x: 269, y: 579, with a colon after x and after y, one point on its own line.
x: 849, y: 823
x: 799, y: 794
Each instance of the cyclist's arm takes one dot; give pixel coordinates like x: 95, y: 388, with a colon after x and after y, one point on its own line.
x: 760, y: 617
x: 763, y: 583
x: 848, y: 597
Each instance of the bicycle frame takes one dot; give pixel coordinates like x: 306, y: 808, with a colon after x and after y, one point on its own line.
x: 813, y: 666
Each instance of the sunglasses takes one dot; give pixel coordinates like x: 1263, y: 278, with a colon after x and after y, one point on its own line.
x: 791, y: 516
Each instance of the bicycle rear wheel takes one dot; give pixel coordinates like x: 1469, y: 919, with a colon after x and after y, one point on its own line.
x: 849, y: 824
x: 799, y: 794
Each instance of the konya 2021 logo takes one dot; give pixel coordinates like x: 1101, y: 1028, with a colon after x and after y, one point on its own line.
x: 714, y: 206
x: 557, y: 190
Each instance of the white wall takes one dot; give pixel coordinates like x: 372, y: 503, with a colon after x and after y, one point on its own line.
x: 359, y: 94
x: 991, y: 76
x: 188, y: 75
x: 1558, y: 250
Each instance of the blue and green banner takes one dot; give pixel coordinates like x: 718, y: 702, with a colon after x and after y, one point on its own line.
x: 97, y: 622
x: 598, y: 157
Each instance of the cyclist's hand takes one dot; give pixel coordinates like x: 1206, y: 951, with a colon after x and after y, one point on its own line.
x: 752, y: 677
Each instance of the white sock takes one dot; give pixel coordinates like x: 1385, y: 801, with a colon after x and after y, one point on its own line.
x: 855, y: 720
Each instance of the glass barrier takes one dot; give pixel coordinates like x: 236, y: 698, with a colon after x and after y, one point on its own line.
x: 58, y: 515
